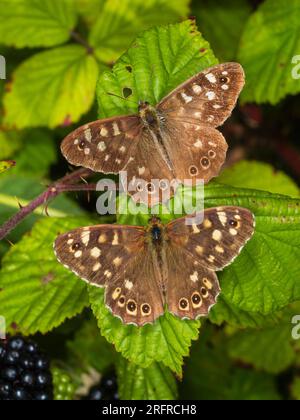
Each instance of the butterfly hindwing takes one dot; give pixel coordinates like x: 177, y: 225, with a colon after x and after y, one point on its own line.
x: 217, y: 240
x: 98, y: 254
x: 200, y: 154
x: 208, y: 97
x: 191, y: 289
x: 135, y: 297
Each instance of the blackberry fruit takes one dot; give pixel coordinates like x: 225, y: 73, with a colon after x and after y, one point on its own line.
x: 64, y: 388
x: 24, y: 371
x: 107, y: 389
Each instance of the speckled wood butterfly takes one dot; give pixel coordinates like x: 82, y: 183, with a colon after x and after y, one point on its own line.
x: 176, y: 139
x: 147, y: 269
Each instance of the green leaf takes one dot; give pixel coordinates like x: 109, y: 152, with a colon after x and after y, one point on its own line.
x: 89, y: 350
x: 37, y: 293
x: 259, y: 176
x: 10, y: 143
x: 121, y: 20
x: 269, y: 43
x: 167, y: 340
x: 175, y: 52
x: 37, y: 152
x: 36, y: 23
x: 250, y: 346
x: 209, y: 375
x: 90, y: 9
x: 153, y: 383
x: 237, y: 317
x: 51, y: 88
x: 264, y: 277
x: 6, y: 164
x: 215, y: 20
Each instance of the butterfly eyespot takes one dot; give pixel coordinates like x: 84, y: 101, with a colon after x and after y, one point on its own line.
x: 163, y: 185
x: 81, y: 145
x: 184, y: 304
x: 121, y: 301
x: 205, y: 162
x: 212, y: 154
x: 131, y: 306
x: 150, y: 187
x: 204, y: 292
x: 224, y: 79
x: 233, y: 223
x: 193, y: 170
x: 196, y: 300
x: 139, y: 187
x: 76, y: 246
x: 145, y: 309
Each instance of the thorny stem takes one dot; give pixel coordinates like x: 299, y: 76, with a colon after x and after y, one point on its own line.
x: 69, y: 182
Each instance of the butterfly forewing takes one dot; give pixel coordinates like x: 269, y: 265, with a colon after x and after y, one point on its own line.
x: 99, y: 254
x: 105, y: 145
x: 216, y: 241
x: 208, y: 97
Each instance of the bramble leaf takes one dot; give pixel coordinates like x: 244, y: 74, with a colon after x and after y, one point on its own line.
x: 167, y: 340
x: 36, y: 293
x: 119, y: 21
x: 259, y: 176
x: 269, y: 52
x: 153, y: 383
x: 35, y: 23
x: 52, y: 88
x: 215, y: 19
x: 175, y: 53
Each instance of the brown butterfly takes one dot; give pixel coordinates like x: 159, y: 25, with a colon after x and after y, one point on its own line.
x: 145, y: 269
x: 176, y: 140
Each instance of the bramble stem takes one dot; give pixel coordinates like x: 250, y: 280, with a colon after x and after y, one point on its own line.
x: 65, y: 184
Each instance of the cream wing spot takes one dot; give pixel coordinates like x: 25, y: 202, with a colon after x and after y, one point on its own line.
x: 70, y: 241
x: 78, y: 254
x: 116, y: 129
x: 207, y: 283
x: 96, y: 267
x: 128, y: 284
x: 88, y: 135
x: 95, y: 252
x: 101, y: 146
x: 108, y: 274
x: 115, y: 239
x: 194, y: 277
x: 142, y: 170
x: 210, y: 95
x: 102, y: 238
x: 198, y: 144
x: 186, y: 97
x: 219, y: 249
x: 211, y: 78
x: 87, y: 150
x: 197, y: 89
x: 116, y: 293
x: 207, y: 224
x: 103, y: 132
x: 199, y: 249
x: 222, y: 217
x: 217, y: 235
x: 85, y: 237
x: 225, y: 87
x: 233, y: 232
x: 117, y: 261
x: 195, y: 228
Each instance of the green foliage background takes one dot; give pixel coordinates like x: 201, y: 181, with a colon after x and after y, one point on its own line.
x: 63, y: 56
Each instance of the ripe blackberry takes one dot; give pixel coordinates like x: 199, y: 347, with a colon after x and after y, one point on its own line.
x: 24, y: 371
x: 107, y: 389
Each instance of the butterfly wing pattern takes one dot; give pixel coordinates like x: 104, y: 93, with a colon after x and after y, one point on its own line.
x: 146, y: 270
x: 177, y: 139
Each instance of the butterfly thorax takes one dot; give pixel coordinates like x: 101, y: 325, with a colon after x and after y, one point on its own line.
x: 153, y: 122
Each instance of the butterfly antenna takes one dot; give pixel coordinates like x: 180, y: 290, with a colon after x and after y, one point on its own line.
x: 122, y: 97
